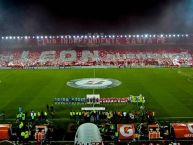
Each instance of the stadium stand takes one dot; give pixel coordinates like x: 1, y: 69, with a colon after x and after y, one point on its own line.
x: 97, y: 57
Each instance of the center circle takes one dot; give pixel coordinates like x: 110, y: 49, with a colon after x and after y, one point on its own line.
x: 93, y: 83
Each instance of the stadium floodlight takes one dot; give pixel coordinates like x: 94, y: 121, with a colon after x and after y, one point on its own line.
x: 42, y: 37
x: 113, y: 36
x: 187, y: 35
x: 178, y: 35
x: 161, y: 35
x: 170, y: 35
x: 37, y: 37
x: 21, y: 37
x: 141, y: 35
x: 50, y: 37
x: 18, y: 37
x: 129, y: 36
x: 146, y: 35
x: 174, y: 35
x: 134, y: 36
x: 97, y: 36
x: 46, y: 37
x: 121, y: 36
x: 25, y: 37
x: 6, y: 37
x: 154, y: 36
x: 10, y: 37
x: 137, y: 36
x: 166, y: 35
x: 33, y: 37
x: 2, y: 37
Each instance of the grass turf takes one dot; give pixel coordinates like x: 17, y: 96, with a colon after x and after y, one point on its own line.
x: 168, y: 92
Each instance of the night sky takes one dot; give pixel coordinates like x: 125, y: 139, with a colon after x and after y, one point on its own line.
x: 54, y: 17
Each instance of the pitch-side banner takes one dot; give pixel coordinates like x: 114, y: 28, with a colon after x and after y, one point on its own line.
x: 126, y: 131
x: 183, y: 130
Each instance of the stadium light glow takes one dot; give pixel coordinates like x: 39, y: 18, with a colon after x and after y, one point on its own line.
x: 154, y: 36
x: 129, y: 36
x: 178, y: 35
x: 26, y: 37
x: 161, y: 35
x: 134, y: 36
x: 10, y: 37
x: 150, y: 36
x: 170, y: 35
x: 2, y: 37
x: 6, y: 37
x: 33, y: 37
x: 141, y: 35
x: 174, y: 35
x: 137, y: 36
x: 18, y: 37
x: 46, y: 37
x: 187, y: 35
x: 146, y: 35
x: 37, y: 37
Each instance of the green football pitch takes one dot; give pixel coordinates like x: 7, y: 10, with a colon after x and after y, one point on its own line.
x: 167, y: 91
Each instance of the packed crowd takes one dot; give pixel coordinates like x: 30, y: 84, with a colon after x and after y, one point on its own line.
x: 100, y: 57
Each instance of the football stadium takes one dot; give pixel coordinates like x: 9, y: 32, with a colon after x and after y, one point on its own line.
x: 96, y: 89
